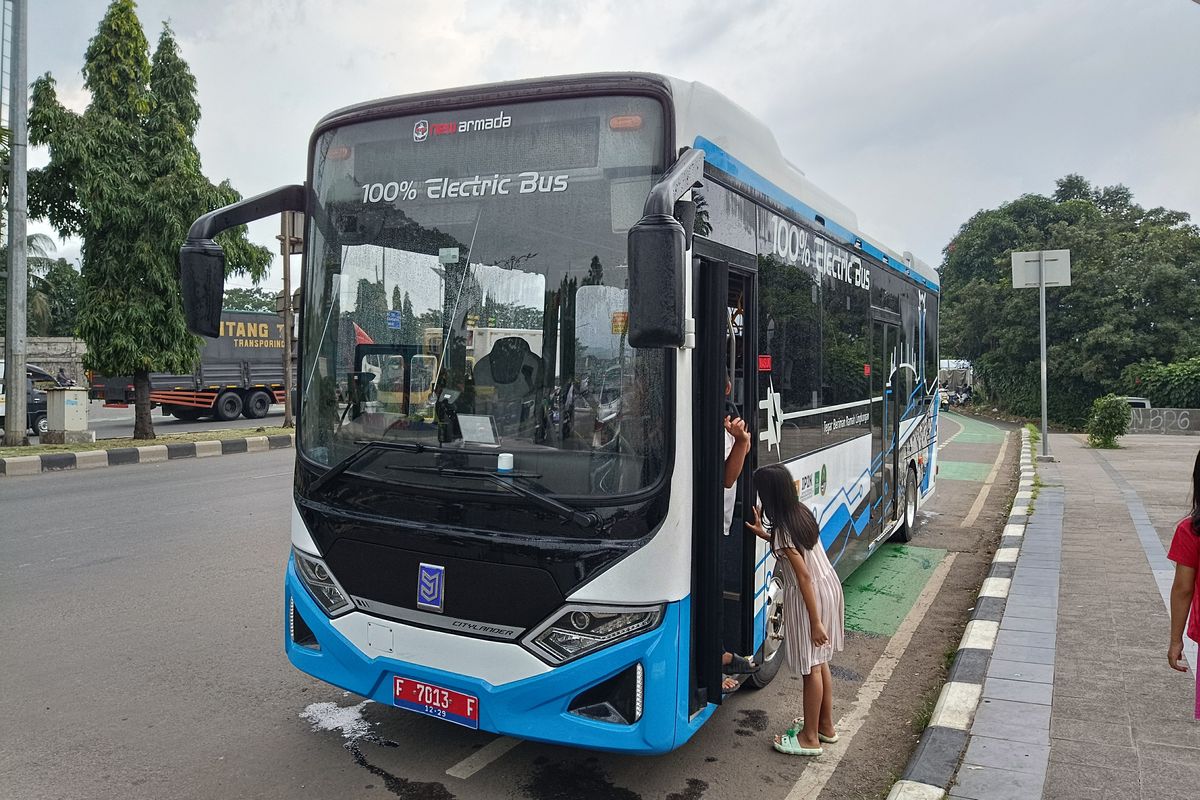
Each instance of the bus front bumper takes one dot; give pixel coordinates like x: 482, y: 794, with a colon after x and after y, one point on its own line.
x: 533, y: 707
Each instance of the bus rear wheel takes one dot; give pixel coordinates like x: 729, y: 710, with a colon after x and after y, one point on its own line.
x: 908, y: 523
x: 770, y: 655
x: 228, y: 406
x: 257, y: 406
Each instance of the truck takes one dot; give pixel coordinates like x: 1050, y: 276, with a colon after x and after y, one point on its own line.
x: 238, y: 374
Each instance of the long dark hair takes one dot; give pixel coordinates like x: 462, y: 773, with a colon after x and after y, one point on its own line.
x: 792, y: 524
x: 1195, y: 515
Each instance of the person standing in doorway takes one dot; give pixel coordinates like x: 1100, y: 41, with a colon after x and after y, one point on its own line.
x: 737, y: 446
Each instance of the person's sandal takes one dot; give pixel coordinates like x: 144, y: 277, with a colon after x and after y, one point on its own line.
x: 790, y: 745
x: 798, y: 723
x: 739, y: 665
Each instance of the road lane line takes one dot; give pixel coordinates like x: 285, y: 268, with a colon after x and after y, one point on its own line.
x: 482, y: 757
x: 961, y: 428
x: 973, y: 514
x: 812, y: 781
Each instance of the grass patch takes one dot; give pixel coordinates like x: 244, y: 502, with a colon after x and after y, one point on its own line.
x: 111, y: 444
x: 929, y: 702
x: 1035, y: 435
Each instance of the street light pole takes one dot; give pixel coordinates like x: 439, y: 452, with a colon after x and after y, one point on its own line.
x: 15, y: 420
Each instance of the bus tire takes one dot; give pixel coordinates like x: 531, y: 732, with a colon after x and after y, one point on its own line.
x: 770, y: 655
x: 908, y: 523
x: 257, y: 405
x: 228, y: 406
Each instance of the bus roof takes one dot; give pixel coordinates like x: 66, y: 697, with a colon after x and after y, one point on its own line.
x: 734, y: 140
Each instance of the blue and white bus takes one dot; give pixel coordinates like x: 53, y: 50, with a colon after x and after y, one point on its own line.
x: 520, y: 306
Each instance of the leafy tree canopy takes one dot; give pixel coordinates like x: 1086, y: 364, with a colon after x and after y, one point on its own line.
x: 1135, y: 286
x: 253, y: 299
x: 125, y: 175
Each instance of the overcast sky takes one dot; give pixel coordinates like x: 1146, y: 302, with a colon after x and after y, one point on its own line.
x: 915, y: 113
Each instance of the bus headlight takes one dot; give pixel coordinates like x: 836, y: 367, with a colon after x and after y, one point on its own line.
x: 579, y: 630
x: 321, y: 584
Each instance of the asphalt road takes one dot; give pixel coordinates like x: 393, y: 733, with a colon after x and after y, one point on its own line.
x: 141, y: 657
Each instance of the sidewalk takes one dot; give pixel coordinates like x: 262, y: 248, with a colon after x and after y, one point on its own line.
x: 1078, y: 701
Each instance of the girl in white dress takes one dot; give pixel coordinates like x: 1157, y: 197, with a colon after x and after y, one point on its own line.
x: 813, y: 606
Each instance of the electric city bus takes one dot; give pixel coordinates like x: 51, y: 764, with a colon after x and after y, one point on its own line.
x: 530, y: 541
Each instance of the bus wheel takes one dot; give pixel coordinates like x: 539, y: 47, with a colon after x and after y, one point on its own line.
x: 770, y: 655
x: 229, y: 406
x: 908, y: 525
x: 257, y: 406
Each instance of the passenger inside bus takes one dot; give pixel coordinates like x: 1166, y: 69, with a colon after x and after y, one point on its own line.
x: 737, y: 445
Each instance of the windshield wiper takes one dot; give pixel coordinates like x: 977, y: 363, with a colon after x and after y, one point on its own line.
x: 368, y: 448
x: 586, y: 519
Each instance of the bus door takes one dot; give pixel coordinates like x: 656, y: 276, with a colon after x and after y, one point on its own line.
x: 738, y: 555
x: 885, y: 419
x: 711, y: 292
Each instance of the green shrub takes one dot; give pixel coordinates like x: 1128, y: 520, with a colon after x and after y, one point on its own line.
x: 1109, y: 419
x: 1174, y: 385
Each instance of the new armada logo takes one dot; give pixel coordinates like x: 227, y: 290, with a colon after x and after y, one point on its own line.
x: 422, y: 128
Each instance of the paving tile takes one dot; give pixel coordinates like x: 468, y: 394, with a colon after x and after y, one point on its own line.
x: 1002, y: 754
x: 1020, y: 691
x: 1031, y: 655
x: 1075, y: 782
x: 1088, y: 709
x: 1026, y: 639
x: 1031, y: 715
x: 1018, y: 671
x: 1029, y: 612
x: 1012, y: 731
x: 1094, y: 754
x: 989, y: 783
x: 1024, y: 624
x: 1169, y: 780
x: 1113, y: 733
x: 1169, y: 754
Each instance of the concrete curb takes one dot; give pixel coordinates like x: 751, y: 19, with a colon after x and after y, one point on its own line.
x: 119, y: 456
x: 935, y: 761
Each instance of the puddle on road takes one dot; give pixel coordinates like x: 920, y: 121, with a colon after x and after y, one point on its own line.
x: 354, y: 728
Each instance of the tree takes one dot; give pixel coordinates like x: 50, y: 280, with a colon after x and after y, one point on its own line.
x: 1135, y: 286
x: 125, y: 175
x: 252, y: 299
x: 595, y: 276
x: 52, y: 293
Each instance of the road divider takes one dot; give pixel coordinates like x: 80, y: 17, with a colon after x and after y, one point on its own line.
x: 944, y: 739
x: 14, y: 466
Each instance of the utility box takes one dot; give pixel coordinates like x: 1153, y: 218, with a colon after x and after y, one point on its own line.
x: 66, y: 413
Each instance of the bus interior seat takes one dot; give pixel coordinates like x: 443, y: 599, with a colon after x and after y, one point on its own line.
x: 513, y: 373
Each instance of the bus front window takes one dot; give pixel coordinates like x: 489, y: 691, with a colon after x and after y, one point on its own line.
x: 467, y: 289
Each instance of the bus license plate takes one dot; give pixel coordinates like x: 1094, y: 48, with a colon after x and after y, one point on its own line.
x: 434, y: 701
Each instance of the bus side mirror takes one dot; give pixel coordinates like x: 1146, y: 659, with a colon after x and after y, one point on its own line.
x: 202, y: 281
x: 656, y: 269
x: 658, y: 247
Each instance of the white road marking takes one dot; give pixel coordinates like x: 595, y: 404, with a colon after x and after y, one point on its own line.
x: 482, y: 757
x: 977, y: 507
x: 950, y: 439
x: 818, y: 772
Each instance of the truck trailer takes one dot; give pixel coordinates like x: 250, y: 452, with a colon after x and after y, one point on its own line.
x: 238, y: 374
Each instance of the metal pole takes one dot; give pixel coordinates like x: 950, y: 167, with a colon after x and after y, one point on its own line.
x: 18, y: 282
x: 287, y: 319
x: 1042, y: 307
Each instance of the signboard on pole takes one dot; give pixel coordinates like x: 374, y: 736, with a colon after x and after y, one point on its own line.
x: 1056, y: 263
x: 393, y: 320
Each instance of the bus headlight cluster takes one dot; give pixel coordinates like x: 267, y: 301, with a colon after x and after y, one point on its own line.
x: 579, y: 630
x: 321, y: 584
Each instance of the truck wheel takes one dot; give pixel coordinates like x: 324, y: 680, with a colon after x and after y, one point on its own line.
x: 228, y: 406
x: 770, y: 655
x: 257, y: 406
x: 40, y: 424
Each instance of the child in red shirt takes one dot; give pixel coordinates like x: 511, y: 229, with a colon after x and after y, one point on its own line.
x: 1185, y: 593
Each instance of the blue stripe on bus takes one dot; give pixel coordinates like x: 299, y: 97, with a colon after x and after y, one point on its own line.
x: 727, y: 163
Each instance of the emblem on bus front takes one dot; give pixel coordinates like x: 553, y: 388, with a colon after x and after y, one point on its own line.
x: 431, y: 583
x: 421, y: 130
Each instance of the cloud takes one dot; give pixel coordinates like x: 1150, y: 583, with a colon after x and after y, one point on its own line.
x: 914, y: 114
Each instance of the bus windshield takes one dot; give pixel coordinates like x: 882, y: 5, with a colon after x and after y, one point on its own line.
x: 466, y: 289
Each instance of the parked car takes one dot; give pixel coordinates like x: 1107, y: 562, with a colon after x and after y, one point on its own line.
x: 1138, y: 402
x: 36, y: 382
